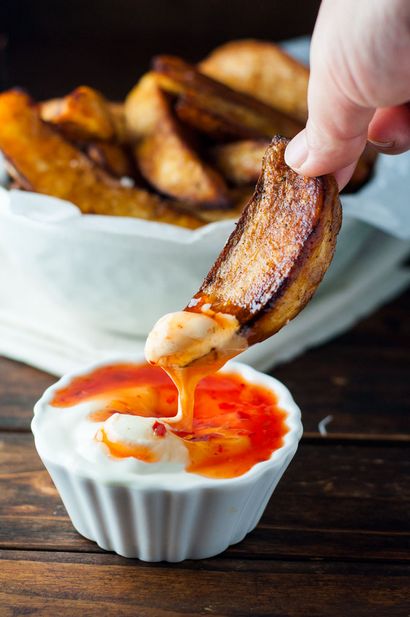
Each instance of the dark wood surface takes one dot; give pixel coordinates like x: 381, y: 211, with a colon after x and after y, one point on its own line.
x: 334, y: 540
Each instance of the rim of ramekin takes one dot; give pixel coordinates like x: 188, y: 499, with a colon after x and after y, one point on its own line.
x: 153, y: 482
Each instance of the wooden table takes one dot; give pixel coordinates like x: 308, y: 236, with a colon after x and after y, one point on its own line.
x: 332, y: 541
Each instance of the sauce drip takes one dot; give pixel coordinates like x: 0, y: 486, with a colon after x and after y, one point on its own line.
x: 235, y: 424
x: 186, y: 380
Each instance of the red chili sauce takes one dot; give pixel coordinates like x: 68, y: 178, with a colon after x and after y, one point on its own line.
x: 236, y: 424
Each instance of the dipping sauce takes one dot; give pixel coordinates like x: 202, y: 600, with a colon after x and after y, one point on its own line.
x: 190, y: 345
x: 236, y: 424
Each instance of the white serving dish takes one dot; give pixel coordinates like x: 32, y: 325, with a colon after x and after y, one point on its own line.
x: 167, y: 516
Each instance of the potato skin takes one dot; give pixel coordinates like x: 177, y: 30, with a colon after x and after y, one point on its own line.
x: 279, y: 252
x: 220, y: 104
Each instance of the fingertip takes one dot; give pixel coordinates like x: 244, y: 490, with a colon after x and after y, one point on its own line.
x: 389, y: 130
x: 343, y: 175
x: 296, y: 152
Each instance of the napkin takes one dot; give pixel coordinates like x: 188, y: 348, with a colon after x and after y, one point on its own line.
x: 33, y: 333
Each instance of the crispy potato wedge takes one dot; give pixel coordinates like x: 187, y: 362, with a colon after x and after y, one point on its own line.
x: 240, y: 162
x: 42, y: 161
x: 219, y: 127
x: 111, y: 157
x: 279, y: 251
x: 263, y: 70
x: 82, y: 115
x: 163, y: 153
x: 256, y: 119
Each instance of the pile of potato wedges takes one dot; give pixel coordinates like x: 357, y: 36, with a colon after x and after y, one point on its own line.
x: 184, y: 148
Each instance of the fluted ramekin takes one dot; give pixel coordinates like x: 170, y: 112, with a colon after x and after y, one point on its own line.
x: 161, y: 517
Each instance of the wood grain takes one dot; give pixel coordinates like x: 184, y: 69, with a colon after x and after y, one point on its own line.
x: 66, y: 584
x: 20, y: 388
x: 360, y: 378
x: 333, y: 502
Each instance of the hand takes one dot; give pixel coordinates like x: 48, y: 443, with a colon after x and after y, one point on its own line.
x: 359, y: 86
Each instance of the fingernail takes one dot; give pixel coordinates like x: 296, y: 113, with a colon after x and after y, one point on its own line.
x: 382, y: 144
x: 296, y: 153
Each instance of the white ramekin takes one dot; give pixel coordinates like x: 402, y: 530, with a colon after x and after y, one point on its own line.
x: 155, y: 518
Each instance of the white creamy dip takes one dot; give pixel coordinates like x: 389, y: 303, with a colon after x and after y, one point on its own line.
x: 68, y: 436
x: 178, y: 339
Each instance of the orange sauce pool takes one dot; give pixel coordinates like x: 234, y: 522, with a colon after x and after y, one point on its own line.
x: 236, y: 424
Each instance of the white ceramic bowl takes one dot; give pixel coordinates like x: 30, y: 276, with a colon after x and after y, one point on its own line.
x: 166, y: 516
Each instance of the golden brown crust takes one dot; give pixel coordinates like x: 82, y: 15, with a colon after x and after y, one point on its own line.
x: 163, y: 153
x: 279, y: 251
x: 82, y: 115
x: 263, y: 70
x: 220, y: 102
x: 241, y: 161
x: 43, y: 161
x: 198, y: 114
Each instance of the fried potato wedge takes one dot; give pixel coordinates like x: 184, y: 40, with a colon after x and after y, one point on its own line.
x: 111, y: 157
x: 42, y: 161
x: 279, y: 251
x: 216, y: 100
x: 82, y: 115
x: 219, y: 127
x: 263, y: 70
x: 163, y: 153
x: 241, y: 161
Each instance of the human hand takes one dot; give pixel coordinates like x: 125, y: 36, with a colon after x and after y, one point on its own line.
x: 359, y: 86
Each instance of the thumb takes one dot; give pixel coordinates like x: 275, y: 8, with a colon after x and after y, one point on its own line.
x: 336, y: 131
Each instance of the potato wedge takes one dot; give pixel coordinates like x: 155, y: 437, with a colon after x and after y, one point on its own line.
x: 279, y: 251
x: 215, y: 99
x: 111, y: 157
x: 43, y: 161
x: 263, y: 70
x: 240, y: 162
x: 117, y: 112
x: 219, y: 127
x: 82, y: 115
x: 163, y: 153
